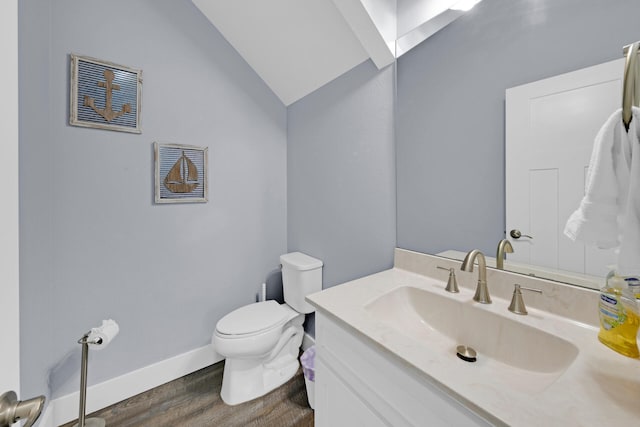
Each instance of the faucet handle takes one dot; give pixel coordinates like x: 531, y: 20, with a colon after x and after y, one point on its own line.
x: 517, y: 303
x: 452, y: 283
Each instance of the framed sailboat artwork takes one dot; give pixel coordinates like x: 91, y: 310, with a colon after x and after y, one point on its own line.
x: 180, y: 173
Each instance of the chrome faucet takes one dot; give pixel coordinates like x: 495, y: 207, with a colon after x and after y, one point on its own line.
x: 517, y: 303
x: 504, y: 247
x: 482, y: 291
x: 452, y: 283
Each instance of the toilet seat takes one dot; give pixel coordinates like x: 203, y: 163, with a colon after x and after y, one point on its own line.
x: 254, y: 319
x: 253, y: 330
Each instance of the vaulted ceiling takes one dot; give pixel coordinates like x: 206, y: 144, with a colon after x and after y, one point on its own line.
x: 297, y: 46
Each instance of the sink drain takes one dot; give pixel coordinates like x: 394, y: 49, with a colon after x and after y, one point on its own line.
x: 466, y: 353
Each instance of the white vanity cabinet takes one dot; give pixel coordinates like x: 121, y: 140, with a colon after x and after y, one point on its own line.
x: 359, y: 383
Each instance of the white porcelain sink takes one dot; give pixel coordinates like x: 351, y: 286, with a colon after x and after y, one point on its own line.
x: 441, y: 322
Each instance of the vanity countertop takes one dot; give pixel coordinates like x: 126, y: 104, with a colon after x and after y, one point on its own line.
x: 599, y: 388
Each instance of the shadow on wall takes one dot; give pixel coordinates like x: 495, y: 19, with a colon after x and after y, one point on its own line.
x: 274, y: 288
x: 66, y: 370
x: 275, y: 291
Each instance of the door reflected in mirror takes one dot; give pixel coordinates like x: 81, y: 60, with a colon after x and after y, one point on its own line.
x: 550, y: 128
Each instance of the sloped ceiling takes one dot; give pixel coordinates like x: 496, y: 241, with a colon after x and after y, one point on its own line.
x: 294, y: 46
x: 297, y: 46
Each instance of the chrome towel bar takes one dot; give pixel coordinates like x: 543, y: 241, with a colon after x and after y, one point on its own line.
x: 630, y: 96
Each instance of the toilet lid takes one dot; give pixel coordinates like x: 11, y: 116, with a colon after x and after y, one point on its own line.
x: 252, y: 318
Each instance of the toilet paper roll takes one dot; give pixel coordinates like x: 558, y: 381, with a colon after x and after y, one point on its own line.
x: 101, y: 336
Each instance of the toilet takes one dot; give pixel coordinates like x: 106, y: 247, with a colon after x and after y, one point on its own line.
x: 261, y: 341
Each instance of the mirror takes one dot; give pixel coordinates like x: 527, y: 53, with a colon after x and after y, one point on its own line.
x: 452, y: 116
x: 551, y: 126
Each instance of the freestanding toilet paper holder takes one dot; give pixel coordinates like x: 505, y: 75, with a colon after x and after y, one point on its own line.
x: 89, y: 422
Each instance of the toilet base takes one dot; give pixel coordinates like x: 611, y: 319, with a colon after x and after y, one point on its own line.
x: 247, y: 379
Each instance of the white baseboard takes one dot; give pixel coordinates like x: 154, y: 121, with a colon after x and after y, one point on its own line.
x: 65, y: 408
x: 46, y: 418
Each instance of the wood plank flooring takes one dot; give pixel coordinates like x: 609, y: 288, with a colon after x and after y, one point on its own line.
x: 194, y: 401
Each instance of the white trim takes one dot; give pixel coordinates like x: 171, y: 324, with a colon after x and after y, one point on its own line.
x: 65, y: 408
x: 422, y: 32
x: 307, y: 341
x: 46, y: 418
x: 9, y: 215
x: 377, y: 38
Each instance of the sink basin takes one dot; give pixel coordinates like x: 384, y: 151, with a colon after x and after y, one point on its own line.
x: 440, y: 322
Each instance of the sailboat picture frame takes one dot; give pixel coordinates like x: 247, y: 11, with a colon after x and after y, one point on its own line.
x: 181, y: 173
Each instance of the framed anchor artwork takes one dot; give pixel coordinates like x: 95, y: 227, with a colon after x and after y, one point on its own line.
x: 104, y: 95
x: 180, y: 173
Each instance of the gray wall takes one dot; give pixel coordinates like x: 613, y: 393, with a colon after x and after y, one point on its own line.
x: 341, y: 174
x: 450, y: 117
x: 93, y: 243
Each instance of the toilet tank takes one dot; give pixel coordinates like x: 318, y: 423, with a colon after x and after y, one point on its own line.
x: 301, y: 276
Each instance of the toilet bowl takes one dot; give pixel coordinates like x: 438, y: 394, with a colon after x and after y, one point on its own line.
x: 261, y: 341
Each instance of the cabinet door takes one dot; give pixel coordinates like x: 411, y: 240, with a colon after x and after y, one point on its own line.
x: 359, y: 385
x: 338, y: 405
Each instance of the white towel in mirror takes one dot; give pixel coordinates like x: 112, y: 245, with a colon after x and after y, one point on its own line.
x: 609, y: 213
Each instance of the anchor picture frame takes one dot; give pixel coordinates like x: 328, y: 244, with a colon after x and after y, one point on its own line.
x: 181, y: 173
x: 104, y: 95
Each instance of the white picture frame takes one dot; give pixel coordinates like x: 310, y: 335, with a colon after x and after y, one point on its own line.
x: 181, y: 173
x: 104, y: 95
